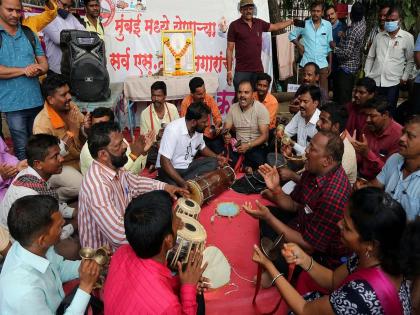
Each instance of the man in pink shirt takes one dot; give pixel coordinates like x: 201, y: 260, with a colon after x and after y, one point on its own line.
x: 379, y: 138
x: 138, y: 279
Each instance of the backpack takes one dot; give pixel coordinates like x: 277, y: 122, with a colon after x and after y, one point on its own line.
x: 29, y: 35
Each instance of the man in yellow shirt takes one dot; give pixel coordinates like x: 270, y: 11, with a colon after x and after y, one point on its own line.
x: 37, y: 22
x: 212, y: 136
x: 91, y: 21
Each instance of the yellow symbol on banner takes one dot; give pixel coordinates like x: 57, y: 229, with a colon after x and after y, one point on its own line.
x: 178, y: 71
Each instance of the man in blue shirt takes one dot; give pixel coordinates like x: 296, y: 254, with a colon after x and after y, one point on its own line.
x: 316, y: 35
x: 31, y: 281
x: 400, y: 176
x: 20, y: 66
x: 338, y: 29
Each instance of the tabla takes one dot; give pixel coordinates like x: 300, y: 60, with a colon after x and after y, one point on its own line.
x: 211, y: 184
x: 218, y: 268
x: 187, y: 207
x: 192, y: 237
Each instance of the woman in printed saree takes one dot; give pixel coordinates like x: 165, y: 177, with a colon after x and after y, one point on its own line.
x: 371, y: 281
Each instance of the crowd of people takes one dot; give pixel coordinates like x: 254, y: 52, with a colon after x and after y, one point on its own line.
x: 350, y: 221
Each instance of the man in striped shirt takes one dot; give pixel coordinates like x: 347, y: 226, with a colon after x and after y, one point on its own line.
x: 107, y: 189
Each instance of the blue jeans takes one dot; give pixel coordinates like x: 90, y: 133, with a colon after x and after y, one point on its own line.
x: 20, y: 125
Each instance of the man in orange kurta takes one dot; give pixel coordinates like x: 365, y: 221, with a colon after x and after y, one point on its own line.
x: 263, y: 95
x: 60, y: 117
x: 212, y: 132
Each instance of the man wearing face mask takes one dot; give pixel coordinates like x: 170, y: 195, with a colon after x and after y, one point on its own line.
x: 390, y: 60
x: 64, y: 21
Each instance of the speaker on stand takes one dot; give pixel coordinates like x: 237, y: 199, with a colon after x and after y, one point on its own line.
x: 84, y: 65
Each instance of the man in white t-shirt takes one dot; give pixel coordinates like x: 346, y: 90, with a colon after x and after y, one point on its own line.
x: 181, y: 141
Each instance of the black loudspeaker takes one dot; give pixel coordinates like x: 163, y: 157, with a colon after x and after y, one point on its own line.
x: 84, y: 65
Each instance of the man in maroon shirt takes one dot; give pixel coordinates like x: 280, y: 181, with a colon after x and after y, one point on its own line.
x: 245, y: 36
x: 379, y: 138
x: 364, y: 90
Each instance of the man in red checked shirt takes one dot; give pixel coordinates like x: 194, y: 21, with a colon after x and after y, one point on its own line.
x: 309, y: 215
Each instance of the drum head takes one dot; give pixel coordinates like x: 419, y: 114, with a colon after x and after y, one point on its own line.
x: 188, y: 206
x: 196, y: 193
x: 218, y: 268
x: 227, y: 209
x: 192, y: 231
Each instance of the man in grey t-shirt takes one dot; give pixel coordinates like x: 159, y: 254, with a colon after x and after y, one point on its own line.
x: 250, y: 119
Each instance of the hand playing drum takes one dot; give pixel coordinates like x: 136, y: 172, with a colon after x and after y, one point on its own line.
x: 193, y: 270
x: 173, y: 190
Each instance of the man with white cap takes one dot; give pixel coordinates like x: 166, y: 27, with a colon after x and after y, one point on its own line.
x: 245, y: 37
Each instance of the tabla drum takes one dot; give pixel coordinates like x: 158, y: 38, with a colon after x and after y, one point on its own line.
x: 192, y: 237
x: 218, y: 268
x: 211, y: 184
x: 187, y: 207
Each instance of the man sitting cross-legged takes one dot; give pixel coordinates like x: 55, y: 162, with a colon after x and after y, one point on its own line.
x: 44, y: 161
x: 31, y: 281
x: 139, y: 281
x: 309, y: 216
x: 250, y: 120
x: 181, y: 141
x: 107, y: 189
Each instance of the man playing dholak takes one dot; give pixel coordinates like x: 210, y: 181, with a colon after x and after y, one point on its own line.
x: 181, y: 141
x: 309, y: 215
x: 250, y: 119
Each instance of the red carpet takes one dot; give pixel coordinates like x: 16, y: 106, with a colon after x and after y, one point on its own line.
x: 235, y: 238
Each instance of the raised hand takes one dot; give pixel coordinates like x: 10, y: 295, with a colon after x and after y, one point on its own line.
x: 270, y: 175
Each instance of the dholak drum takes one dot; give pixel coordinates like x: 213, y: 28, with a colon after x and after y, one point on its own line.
x: 187, y: 207
x: 211, y: 184
x: 192, y: 237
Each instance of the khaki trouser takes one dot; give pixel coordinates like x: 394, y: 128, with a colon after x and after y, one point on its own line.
x: 67, y: 183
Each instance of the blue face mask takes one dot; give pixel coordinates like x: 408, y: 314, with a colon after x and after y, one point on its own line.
x: 63, y: 13
x: 391, y: 26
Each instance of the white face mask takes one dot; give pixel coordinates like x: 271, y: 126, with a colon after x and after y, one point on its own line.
x: 391, y: 26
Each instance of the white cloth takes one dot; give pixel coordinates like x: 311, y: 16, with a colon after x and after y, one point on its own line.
x: 304, y: 131
x: 178, y: 146
x: 349, y: 161
x: 390, y: 59
x: 285, y: 56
